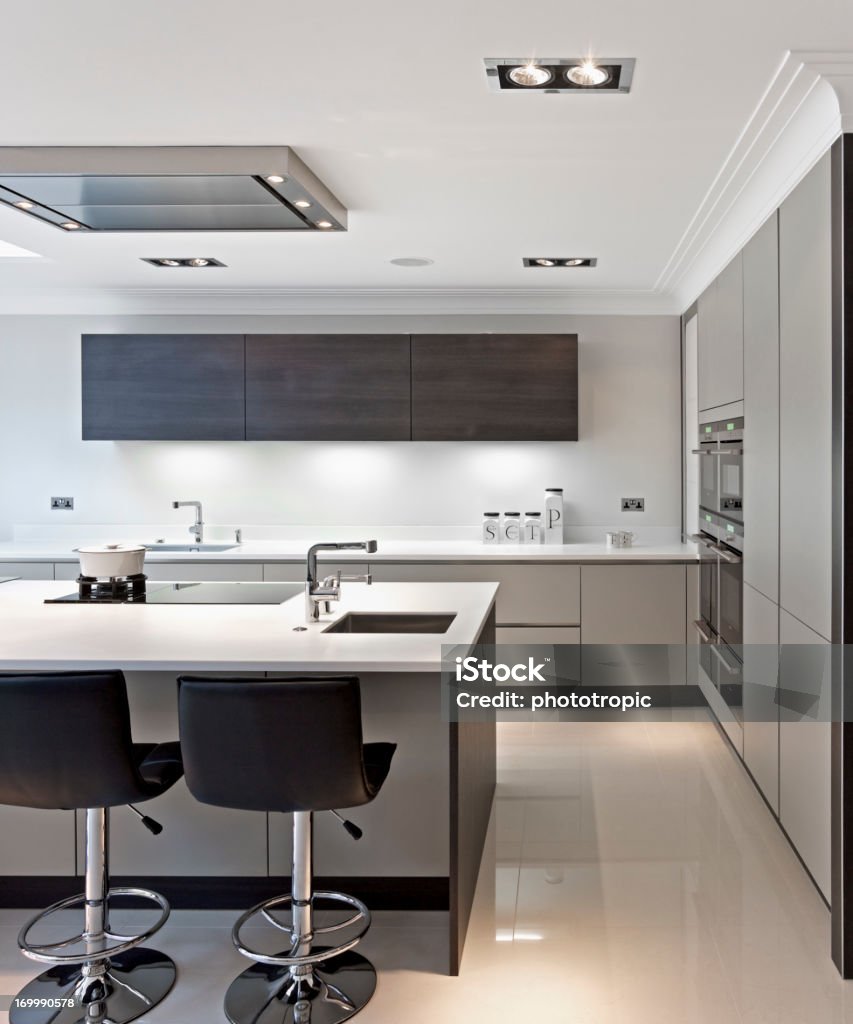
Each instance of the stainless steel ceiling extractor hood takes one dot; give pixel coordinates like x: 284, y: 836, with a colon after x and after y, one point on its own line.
x: 169, y: 188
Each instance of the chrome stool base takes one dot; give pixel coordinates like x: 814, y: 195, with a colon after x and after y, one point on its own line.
x: 333, y: 991
x: 135, y: 981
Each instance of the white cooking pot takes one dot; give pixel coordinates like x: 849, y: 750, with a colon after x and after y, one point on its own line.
x: 108, y: 560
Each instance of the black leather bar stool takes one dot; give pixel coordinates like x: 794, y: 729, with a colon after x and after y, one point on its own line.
x: 65, y: 743
x: 292, y: 746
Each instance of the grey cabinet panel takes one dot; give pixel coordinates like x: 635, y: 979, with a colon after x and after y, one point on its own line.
x: 28, y: 570
x: 495, y: 387
x: 761, y: 408
x: 36, y: 842
x: 805, y: 381
x: 163, y: 387
x: 804, y: 745
x: 633, y: 604
x: 720, y: 357
x: 760, y: 692
x: 321, y: 387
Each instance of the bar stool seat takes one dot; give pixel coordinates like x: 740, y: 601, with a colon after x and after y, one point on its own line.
x: 291, y: 746
x: 65, y: 743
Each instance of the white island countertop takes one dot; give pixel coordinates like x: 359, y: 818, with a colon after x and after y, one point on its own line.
x: 238, y: 638
x: 389, y: 551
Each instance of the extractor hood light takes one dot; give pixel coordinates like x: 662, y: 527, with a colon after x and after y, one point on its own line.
x: 275, y: 179
x: 303, y: 204
x: 25, y: 204
x: 182, y: 261
x: 69, y: 225
x: 560, y: 261
x: 530, y: 75
x: 324, y: 224
x: 588, y: 74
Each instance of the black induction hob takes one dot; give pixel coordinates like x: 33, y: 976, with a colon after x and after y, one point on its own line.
x: 192, y: 593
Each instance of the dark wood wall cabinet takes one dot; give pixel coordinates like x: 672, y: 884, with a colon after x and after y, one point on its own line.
x: 163, y: 387
x: 321, y: 387
x: 494, y: 387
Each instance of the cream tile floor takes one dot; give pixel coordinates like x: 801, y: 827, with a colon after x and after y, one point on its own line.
x: 632, y: 874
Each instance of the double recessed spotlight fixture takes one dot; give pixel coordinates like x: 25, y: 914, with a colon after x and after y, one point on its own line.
x: 182, y: 261
x: 560, y: 74
x: 560, y: 261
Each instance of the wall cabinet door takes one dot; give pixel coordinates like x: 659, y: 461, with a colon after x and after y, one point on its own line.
x: 804, y: 745
x: 805, y: 398
x: 163, y: 387
x: 495, y: 387
x: 761, y: 409
x: 721, y: 339
x: 760, y: 692
x: 321, y: 387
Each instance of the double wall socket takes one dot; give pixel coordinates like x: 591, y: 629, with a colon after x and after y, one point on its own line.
x: 67, y: 503
x: 633, y: 504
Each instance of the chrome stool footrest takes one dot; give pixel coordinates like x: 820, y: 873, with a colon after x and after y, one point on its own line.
x: 44, y: 952
x: 362, y: 914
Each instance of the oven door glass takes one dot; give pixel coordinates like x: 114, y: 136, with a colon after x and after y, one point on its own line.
x: 708, y: 478
x: 708, y: 574
x: 731, y: 603
x: 731, y: 485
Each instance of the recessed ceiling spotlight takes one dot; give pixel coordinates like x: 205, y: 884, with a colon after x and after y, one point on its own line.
x: 25, y: 204
x: 588, y: 74
x: 275, y: 179
x: 303, y: 204
x: 530, y: 75
x: 560, y: 74
x: 69, y: 225
x: 324, y: 224
x: 412, y: 261
x: 182, y: 261
x: 560, y: 261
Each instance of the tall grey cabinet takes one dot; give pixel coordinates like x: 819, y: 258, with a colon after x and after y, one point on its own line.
x: 720, y: 354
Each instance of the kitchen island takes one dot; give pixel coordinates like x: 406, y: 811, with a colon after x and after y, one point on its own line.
x: 423, y: 836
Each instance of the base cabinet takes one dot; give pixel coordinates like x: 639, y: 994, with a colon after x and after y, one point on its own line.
x: 760, y: 692
x: 804, y: 745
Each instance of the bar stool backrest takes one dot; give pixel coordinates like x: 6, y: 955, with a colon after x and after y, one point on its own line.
x: 65, y: 741
x: 273, y: 744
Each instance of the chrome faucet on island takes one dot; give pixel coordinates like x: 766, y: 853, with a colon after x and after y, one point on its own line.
x: 197, y: 528
x: 329, y: 589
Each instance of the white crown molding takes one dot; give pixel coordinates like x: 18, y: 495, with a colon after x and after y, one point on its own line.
x: 808, y: 102
x: 333, y: 302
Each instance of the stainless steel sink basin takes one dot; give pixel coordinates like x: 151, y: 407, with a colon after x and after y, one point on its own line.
x: 392, y: 622
x: 190, y: 547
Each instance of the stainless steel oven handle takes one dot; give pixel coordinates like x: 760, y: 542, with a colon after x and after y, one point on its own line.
x: 699, y: 538
x: 703, y: 633
x: 732, y: 670
x: 728, y: 556
x: 705, y: 451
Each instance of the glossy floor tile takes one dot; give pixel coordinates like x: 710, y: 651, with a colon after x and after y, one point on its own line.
x: 632, y: 876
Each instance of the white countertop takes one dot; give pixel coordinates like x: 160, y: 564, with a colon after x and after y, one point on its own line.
x: 389, y: 551
x: 252, y: 638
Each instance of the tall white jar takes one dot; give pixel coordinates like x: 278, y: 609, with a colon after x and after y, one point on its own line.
x: 553, y: 525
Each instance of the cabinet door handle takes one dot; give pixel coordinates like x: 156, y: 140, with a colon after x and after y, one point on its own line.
x: 703, y: 633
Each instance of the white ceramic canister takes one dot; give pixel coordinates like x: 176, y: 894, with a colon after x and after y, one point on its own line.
x: 107, y: 561
x: 491, y: 527
x: 532, y: 530
x: 553, y: 525
x: 511, y: 528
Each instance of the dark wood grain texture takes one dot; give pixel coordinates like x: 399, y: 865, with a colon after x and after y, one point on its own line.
x: 473, y: 775
x: 163, y: 387
x: 494, y: 387
x: 322, y: 387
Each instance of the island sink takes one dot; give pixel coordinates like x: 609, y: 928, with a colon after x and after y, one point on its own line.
x: 391, y: 622
x: 189, y: 547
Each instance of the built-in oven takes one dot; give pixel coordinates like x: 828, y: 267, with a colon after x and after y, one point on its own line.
x: 720, y: 452
x: 720, y: 625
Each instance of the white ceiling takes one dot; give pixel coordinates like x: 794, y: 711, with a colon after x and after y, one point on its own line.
x: 388, y: 103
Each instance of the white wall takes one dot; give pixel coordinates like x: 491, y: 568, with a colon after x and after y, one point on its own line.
x: 629, y: 440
